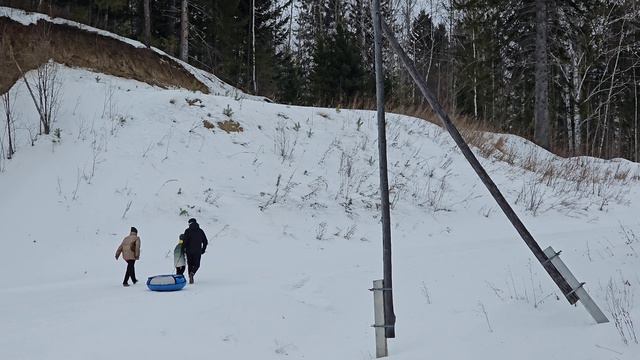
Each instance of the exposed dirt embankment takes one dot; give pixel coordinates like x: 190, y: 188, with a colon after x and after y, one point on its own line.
x: 35, y: 44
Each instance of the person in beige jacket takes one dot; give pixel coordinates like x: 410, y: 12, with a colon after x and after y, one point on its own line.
x: 130, y: 250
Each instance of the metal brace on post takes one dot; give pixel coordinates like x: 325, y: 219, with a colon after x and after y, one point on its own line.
x: 578, y: 287
x: 378, y: 305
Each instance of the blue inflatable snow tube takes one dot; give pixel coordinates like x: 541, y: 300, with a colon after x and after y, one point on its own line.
x: 166, y: 282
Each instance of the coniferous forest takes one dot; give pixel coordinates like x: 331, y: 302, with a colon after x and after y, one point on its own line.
x: 565, y: 74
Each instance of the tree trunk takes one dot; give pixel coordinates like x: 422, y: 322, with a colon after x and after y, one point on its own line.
x: 567, y: 99
x: 635, y: 117
x: 33, y: 96
x: 147, y: 23
x: 132, y: 19
x: 635, y: 113
x: 6, y: 101
x: 541, y: 112
x: 184, y: 31
x: 605, y: 128
x: 91, y: 23
x: 253, y: 46
x: 475, y: 75
x: 432, y: 34
x: 172, y: 30
x: 452, y: 66
x: 577, y: 99
x: 290, y: 28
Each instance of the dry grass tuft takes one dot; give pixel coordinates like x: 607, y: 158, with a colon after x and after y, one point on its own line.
x: 208, y: 124
x: 194, y: 102
x: 230, y: 126
x: 566, y: 180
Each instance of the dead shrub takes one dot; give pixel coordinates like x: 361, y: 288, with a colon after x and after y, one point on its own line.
x: 531, y: 161
x: 621, y: 174
x: 208, y: 124
x: 194, y: 102
x: 230, y: 126
x: 569, y: 180
x: 500, y: 143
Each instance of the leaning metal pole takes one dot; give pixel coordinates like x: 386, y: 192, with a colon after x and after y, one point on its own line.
x: 389, y: 315
x: 562, y: 283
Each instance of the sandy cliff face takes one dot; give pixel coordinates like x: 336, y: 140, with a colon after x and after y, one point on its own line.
x: 32, y: 45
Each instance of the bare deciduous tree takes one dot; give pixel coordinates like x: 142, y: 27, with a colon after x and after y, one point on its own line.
x: 46, y: 96
x: 611, y: 87
x: 45, y: 89
x: 541, y: 113
x: 6, y: 102
x: 48, y: 88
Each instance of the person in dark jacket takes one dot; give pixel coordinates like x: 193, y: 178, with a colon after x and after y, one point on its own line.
x: 195, y: 244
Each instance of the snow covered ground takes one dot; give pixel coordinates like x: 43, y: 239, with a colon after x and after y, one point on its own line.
x: 289, y: 206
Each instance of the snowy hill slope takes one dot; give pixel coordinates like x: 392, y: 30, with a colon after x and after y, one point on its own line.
x: 289, y: 205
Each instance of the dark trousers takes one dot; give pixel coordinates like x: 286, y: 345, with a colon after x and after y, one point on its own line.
x: 131, y: 272
x: 180, y: 270
x: 193, y: 261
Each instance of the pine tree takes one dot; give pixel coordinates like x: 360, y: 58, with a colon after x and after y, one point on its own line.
x: 338, y: 72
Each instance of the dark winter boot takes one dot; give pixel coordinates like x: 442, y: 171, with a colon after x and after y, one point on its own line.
x: 125, y: 284
x: 191, y: 278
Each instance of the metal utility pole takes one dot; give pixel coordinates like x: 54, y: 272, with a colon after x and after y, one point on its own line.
x: 551, y: 269
x: 389, y: 315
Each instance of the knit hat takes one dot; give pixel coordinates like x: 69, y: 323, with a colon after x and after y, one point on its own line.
x: 192, y: 220
x: 134, y: 230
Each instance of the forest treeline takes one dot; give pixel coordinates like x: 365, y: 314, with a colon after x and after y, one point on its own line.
x: 563, y: 73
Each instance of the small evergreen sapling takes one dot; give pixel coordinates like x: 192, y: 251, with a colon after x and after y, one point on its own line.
x: 228, y: 112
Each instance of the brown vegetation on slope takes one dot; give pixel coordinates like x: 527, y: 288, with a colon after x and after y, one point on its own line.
x: 35, y: 44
